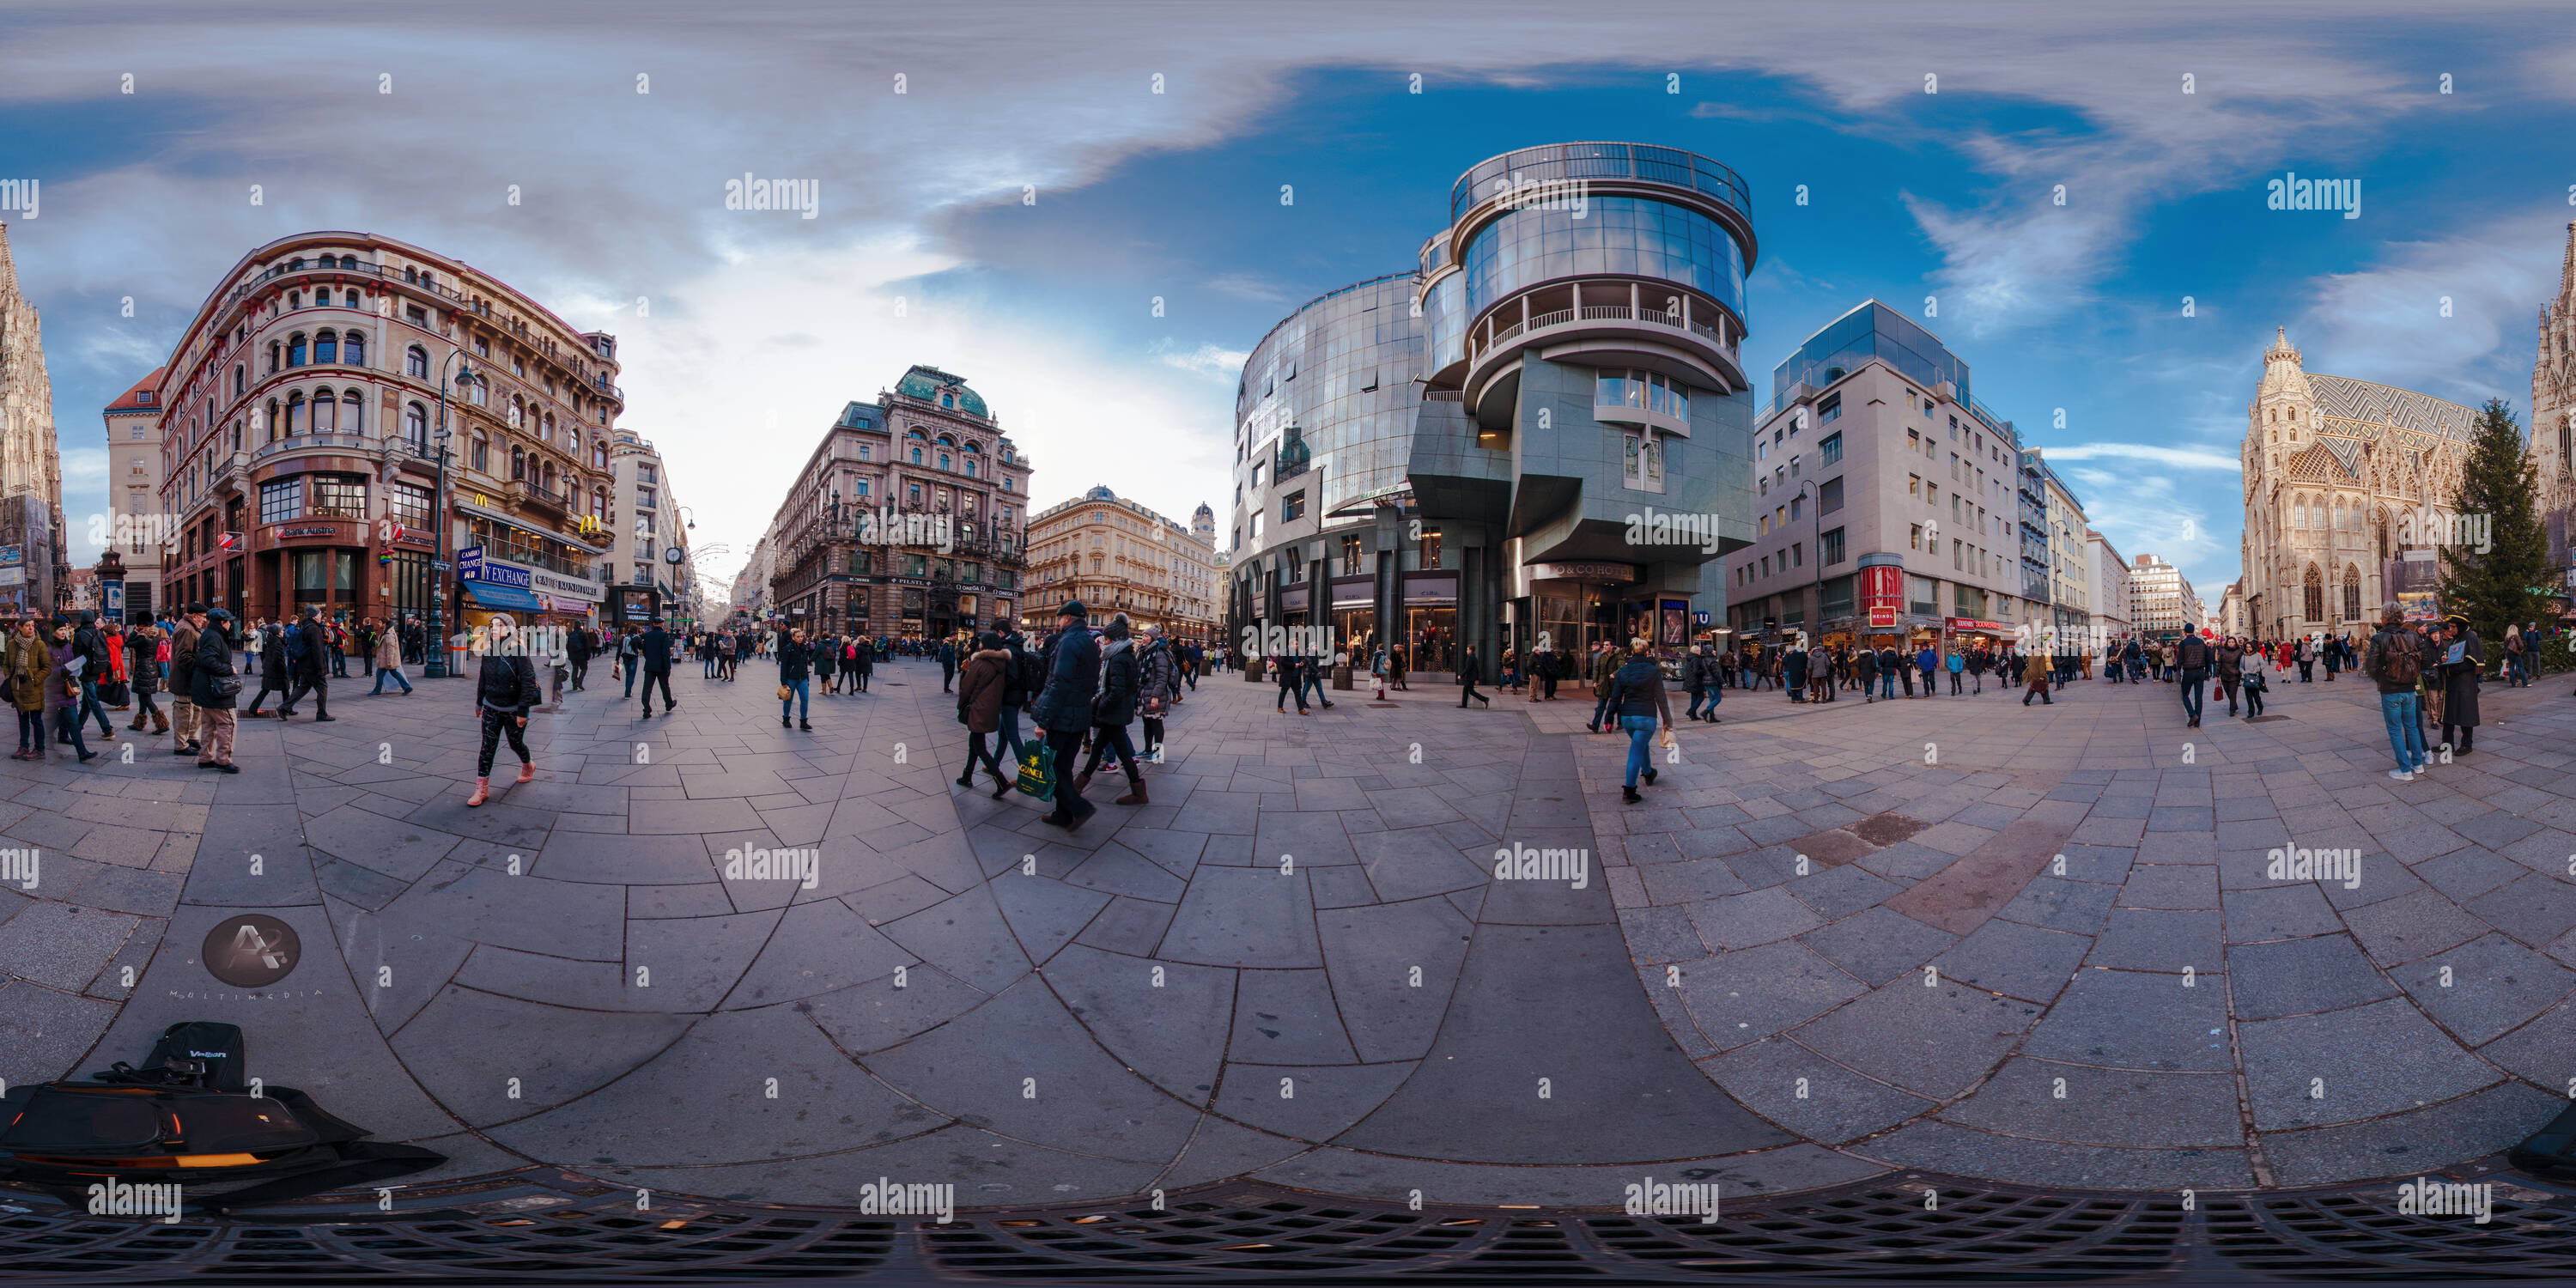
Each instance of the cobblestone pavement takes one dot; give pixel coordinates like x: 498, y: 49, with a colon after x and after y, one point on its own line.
x: 1296, y: 964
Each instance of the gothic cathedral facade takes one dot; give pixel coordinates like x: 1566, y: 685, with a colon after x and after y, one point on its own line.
x: 2347, y: 484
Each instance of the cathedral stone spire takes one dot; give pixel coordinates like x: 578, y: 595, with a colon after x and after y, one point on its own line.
x: 2282, y: 373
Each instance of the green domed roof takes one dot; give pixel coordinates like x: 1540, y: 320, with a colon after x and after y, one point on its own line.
x: 928, y: 383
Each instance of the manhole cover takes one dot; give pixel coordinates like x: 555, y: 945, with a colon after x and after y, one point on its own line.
x: 251, y: 950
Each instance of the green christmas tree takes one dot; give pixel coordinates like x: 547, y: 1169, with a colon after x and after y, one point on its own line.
x: 2498, y: 482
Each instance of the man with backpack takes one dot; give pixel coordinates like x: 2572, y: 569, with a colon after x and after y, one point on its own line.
x: 2395, y: 662
x: 2191, y: 659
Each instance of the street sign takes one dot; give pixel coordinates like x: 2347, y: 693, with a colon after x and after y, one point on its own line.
x: 469, y: 563
x: 439, y: 565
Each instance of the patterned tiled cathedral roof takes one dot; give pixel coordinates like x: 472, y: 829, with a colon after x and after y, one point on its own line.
x: 2366, y: 408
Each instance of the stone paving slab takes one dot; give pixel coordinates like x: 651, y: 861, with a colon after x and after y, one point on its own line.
x: 1162, y: 977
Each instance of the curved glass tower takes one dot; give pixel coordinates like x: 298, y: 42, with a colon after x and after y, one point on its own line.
x: 1578, y: 442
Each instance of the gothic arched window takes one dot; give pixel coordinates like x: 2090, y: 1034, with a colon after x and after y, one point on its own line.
x: 2351, y: 593
x: 2314, y: 594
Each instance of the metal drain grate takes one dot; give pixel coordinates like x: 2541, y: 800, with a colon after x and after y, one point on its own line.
x: 2362, y: 1236
x: 558, y: 1227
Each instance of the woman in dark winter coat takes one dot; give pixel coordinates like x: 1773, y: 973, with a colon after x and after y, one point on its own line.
x: 827, y: 663
x: 981, y: 689
x: 503, y: 691
x: 1158, y: 687
x: 795, y: 678
x: 143, y: 665
x: 2460, y: 686
x: 270, y: 644
x: 1113, y: 708
x: 860, y: 660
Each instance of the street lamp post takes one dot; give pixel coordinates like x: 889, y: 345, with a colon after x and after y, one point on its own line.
x: 435, y: 665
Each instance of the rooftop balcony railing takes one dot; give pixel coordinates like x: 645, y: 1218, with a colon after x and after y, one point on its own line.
x: 1563, y: 162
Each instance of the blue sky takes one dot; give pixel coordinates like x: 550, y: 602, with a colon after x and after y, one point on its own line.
x: 762, y: 325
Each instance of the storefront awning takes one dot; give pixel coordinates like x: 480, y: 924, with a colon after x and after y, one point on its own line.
x: 502, y: 598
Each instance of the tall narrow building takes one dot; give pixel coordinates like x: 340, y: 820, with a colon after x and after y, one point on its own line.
x: 2553, y: 410
x: 32, y: 554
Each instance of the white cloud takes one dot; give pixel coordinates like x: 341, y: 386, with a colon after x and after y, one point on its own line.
x: 2385, y: 323
x: 2179, y: 457
x: 1207, y: 359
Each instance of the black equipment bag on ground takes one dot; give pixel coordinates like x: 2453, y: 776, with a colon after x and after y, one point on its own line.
x: 191, y: 1053
x: 186, y: 1117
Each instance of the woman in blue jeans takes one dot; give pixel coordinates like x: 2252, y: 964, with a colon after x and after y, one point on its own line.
x: 1637, y: 695
x: 795, y: 675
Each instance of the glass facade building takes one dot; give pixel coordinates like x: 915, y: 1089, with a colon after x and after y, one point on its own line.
x: 1454, y: 457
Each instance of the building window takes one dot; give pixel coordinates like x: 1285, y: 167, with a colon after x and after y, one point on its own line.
x: 1293, y: 506
x: 337, y: 497
x: 1829, y: 497
x: 1830, y: 547
x: 1830, y: 410
x: 295, y: 349
x: 481, y: 457
x: 281, y: 500
x: 1915, y: 541
x: 416, y: 362
x: 353, y: 348
x: 1642, y: 459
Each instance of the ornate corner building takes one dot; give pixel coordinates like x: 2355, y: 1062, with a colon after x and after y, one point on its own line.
x: 33, y: 557
x: 906, y: 520
x: 2348, y: 486
x: 1117, y: 556
x: 305, y: 411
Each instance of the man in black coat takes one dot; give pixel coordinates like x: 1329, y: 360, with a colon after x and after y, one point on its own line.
x: 580, y: 645
x: 1062, y: 713
x: 312, y: 667
x: 209, y: 675
x: 654, y: 650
